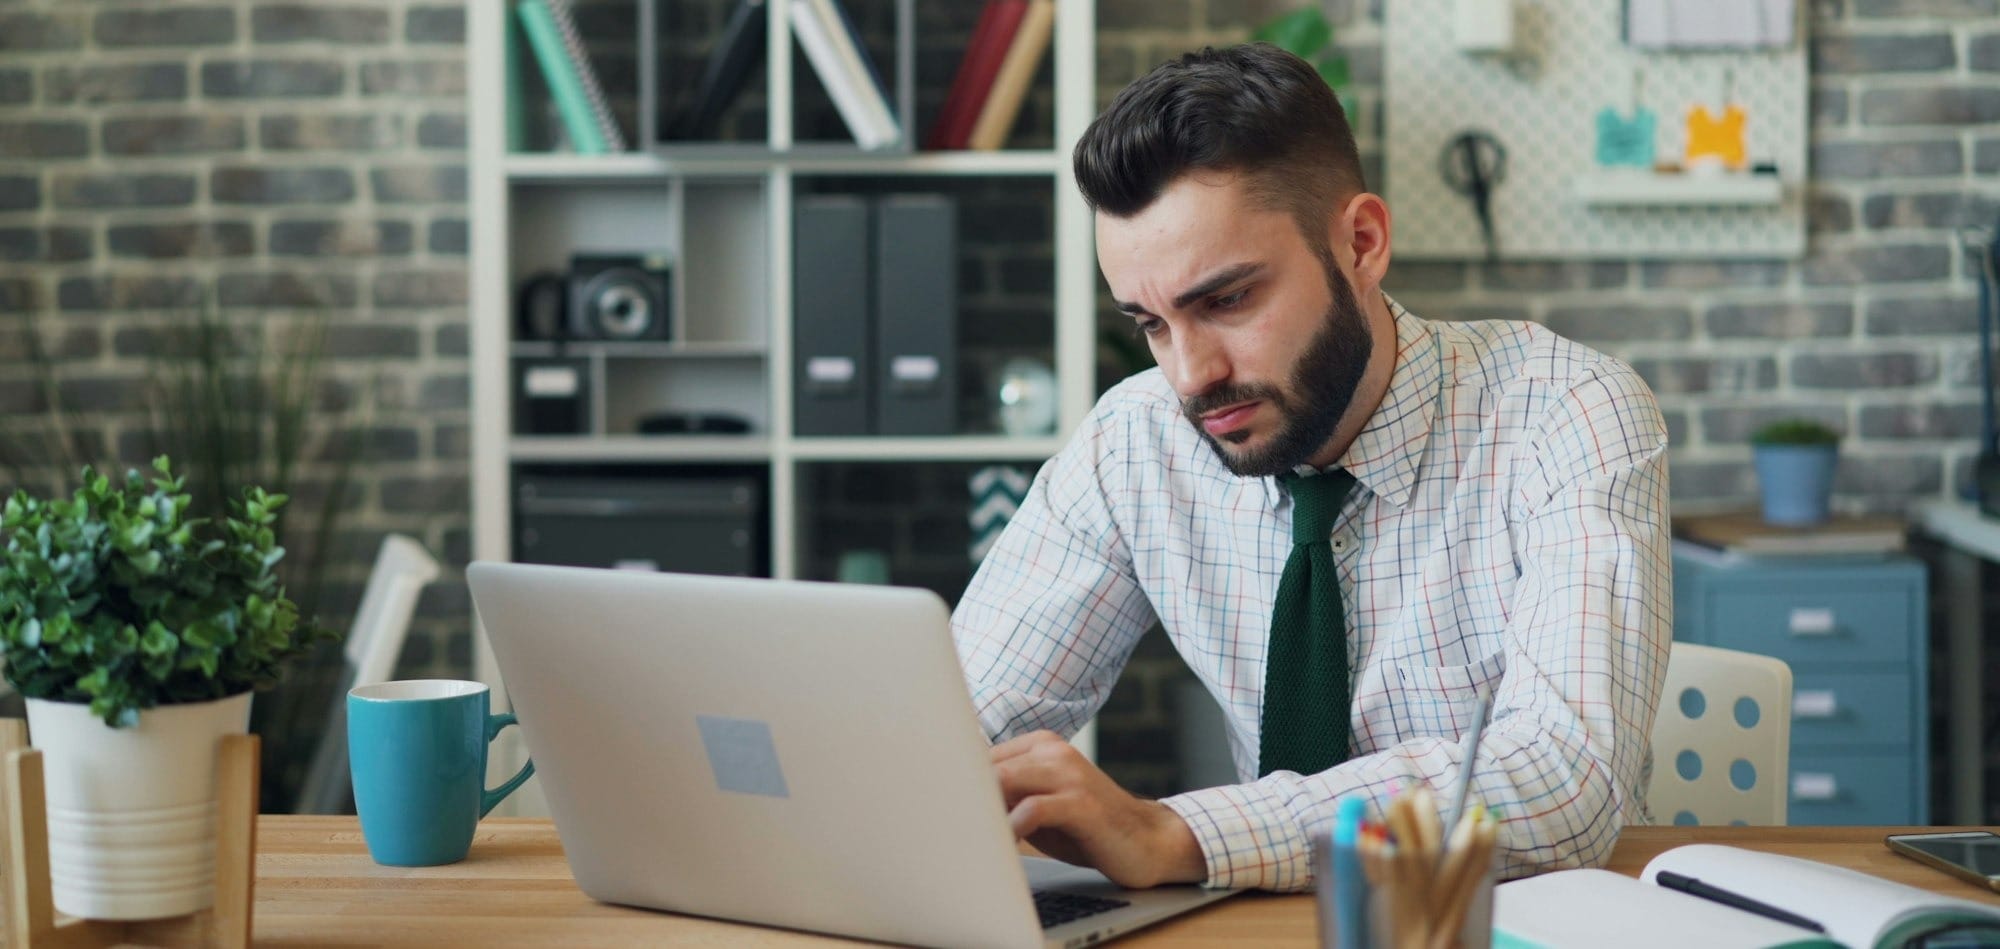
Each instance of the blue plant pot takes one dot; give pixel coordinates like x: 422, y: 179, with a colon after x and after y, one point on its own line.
x: 1796, y: 482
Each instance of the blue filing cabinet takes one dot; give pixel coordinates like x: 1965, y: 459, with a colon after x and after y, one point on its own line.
x: 1854, y: 632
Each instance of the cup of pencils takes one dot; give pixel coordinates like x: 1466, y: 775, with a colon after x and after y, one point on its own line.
x: 1404, y: 882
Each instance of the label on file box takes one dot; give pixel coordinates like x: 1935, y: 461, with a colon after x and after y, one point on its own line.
x: 1813, y: 703
x: 830, y: 370
x: 917, y: 369
x: 550, y: 381
x: 1814, y: 786
x: 1811, y: 621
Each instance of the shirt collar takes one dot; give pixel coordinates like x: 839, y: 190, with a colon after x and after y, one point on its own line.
x: 1386, y: 454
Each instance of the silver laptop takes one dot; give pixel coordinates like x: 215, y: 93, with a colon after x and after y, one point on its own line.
x: 786, y: 753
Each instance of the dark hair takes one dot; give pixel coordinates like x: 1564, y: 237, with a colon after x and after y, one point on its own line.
x: 1253, y: 109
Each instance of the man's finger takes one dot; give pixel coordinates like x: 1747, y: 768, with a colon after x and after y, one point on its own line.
x: 1023, y: 775
x: 1041, y: 812
x: 1023, y: 744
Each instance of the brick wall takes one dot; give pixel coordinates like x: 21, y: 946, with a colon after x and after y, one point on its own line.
x: 313, y: 155
x: 283, y: 158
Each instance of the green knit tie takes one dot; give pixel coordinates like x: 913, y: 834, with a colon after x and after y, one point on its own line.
x: 1305, y: 676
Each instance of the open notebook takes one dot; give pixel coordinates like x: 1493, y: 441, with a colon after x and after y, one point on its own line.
x: 1574, y: 908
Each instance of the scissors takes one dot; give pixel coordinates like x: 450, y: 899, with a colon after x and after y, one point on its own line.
x: 1472, y: 164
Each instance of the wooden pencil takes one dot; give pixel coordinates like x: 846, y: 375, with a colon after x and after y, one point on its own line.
x: 1430, y: 826
x: 1478, y: 864
x: 1454, y: 860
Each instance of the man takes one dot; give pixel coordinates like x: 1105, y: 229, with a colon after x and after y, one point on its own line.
x: 1474, y: 504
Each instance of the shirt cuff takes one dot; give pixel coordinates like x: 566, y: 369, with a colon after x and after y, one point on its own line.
x: 1248, y: 838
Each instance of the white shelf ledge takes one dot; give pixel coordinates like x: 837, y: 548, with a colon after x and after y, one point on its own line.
x: 681, y: 448
x: 738, y: 161
x: 757, y: 448
x: 1649, y: 189
x: 640, y: 350
x: 931, y: 163
x: 634, y: 167
x: 936, y: 448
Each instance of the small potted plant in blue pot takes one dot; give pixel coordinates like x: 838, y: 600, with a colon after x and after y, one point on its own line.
x: 1795, y: 461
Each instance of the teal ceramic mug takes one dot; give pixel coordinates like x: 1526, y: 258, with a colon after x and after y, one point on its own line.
x: 417, y: 751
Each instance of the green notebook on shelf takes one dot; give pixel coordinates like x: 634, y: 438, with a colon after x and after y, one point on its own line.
x: 579, y: 101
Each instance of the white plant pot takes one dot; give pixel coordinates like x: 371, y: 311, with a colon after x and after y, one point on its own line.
x: 132, y: 810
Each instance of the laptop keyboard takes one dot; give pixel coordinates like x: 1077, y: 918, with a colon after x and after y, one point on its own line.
x: 1059, y: 908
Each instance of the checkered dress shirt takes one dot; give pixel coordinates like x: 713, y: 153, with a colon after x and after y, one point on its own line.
x: 1509, y: 527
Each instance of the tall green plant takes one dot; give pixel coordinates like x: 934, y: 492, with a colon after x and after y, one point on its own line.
x: 237, y: 408
x: 243, y: 414
x: 1307, y: 34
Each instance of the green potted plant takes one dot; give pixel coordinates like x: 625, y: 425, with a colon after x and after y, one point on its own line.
x: 137, y: 633
x: 1308, y: 34
x: 1795, y: 460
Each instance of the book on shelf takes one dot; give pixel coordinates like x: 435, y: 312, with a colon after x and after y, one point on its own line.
x: 514, y: 84
x: 834, y: 48
x: 994, y: 32
x: 1017, y: 73
x: 1747, y: 533
x: 550, y: 27
x: 738, y: 49
x: 1799, y: 903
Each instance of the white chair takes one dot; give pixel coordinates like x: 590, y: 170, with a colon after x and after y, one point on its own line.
x: 375, y: 640
x: 1722, y: 738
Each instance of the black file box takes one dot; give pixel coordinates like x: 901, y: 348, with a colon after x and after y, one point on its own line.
x: 831, y: 368
x: 916, y: 315
x: 710, y: 522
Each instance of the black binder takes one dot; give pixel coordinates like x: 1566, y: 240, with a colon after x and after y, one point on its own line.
x: 830, y: 332
x: 916, y: 315
x: 738, y: 48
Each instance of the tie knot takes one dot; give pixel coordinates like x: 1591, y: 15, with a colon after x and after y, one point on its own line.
x: 1315, y: 501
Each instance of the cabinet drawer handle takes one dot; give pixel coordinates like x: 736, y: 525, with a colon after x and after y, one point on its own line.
x: 1814, y: 786
x: 1811, y: 621
x: 1814, y: 703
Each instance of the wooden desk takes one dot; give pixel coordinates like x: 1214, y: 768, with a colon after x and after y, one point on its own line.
x: 316, y: 886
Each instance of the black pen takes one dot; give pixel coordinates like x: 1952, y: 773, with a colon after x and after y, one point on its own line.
x: 1694, y: 887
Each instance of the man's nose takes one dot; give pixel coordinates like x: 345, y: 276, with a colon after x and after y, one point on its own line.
x: 1199, y: 363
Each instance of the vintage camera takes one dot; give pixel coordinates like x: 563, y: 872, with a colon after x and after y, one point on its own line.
x: 619, y: 298
x: 541, y: 308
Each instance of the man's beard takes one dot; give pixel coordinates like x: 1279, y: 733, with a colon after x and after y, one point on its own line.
x: 1309, y: 408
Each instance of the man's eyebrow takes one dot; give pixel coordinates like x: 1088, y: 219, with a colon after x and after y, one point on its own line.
x: 1208, y: 285
x: 1214, y: 282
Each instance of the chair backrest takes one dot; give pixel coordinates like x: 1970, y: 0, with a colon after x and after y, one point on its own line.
x: 374, y: 641
x: 1722, y: 738
x: 402, y: 569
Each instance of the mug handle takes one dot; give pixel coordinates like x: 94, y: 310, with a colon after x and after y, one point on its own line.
x: 490, y: 799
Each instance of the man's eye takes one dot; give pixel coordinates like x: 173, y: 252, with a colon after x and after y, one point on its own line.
x: 1230, y: 301
x: 1148, y: 327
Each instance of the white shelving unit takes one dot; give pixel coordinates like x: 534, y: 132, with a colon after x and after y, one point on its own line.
x: 530, y: 211
x: 1642, y: 188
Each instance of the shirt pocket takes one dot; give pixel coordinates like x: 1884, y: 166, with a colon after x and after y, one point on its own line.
x: 1436, y: 701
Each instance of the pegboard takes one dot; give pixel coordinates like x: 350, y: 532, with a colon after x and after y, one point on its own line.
x: 1545, y: 114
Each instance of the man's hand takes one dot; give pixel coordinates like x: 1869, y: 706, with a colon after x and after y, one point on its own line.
x: 1061, y: 803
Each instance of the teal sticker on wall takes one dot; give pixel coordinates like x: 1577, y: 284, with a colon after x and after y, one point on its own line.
x: 1623, y: 141
x: 742, y: 755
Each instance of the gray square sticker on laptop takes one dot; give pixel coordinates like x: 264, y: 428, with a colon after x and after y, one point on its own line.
x: 741, y: 754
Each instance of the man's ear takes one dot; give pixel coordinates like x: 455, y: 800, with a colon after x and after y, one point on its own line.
x: 1359, y: 235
